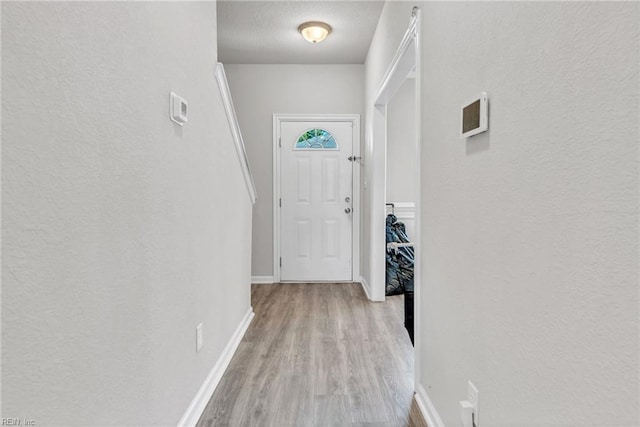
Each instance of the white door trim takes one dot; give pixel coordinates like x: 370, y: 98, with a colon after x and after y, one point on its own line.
x: 355, y: 120
x: 406, y: 56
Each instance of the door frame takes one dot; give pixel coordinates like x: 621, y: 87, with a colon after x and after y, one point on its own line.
x: 408, y: 53
x: 355, y: 191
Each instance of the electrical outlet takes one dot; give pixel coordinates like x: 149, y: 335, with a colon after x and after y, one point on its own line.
x: 198, y: 337
x: 472, y: 397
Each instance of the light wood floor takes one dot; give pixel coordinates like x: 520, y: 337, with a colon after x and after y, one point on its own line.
x: 318, y: 355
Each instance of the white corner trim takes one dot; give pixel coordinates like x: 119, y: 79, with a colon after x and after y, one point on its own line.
x: 221, y: 77
x: 427, y: 409
x: 202, y: 397
x: 262, y: 280
x: 365, y: 287
x: 367, y: 291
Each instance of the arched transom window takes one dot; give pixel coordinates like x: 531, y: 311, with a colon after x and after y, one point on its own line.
x: 316, y: 139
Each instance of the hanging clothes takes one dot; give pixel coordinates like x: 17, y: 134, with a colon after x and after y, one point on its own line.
x: 400, y: 260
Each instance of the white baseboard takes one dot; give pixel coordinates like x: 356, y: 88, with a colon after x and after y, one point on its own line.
x: 365, y: 287
x: 427, y: 409
x: 202, y: 397
x: 261, y: 280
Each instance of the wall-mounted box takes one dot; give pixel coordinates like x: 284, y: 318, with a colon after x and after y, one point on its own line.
x: 475, y: 116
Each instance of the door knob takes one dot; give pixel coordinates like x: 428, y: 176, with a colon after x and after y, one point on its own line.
x: 347, y: 210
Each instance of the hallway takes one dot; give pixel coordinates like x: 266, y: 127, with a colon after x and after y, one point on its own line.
x: 143, y: 194
x: 317, y: 355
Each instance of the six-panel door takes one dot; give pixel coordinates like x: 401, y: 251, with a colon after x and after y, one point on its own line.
x: 316, y: 217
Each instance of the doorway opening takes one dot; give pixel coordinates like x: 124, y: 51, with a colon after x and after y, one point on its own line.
x: 316, y: 202
x: 396, y: 167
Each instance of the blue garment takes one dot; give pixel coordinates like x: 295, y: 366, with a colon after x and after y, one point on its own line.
x: 400, y: 263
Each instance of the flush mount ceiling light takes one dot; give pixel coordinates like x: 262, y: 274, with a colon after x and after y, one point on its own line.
x: 314, y: 31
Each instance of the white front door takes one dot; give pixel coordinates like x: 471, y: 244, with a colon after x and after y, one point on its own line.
x: 316, y: 213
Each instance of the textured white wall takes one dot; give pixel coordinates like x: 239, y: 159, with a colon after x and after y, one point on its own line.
x: 529, y: 231
x: 258, y: 92
x: 120, y: 230
x: 401, y: 144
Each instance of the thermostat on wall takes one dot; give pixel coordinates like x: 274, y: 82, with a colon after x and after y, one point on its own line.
x: 475, y: 116
x: 178, y: 109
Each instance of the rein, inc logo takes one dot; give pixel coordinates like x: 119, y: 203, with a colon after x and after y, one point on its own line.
x: 17, y: 422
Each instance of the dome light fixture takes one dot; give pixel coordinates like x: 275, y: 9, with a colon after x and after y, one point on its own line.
x: 314, y: 31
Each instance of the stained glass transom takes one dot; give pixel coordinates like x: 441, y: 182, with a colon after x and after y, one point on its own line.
x: 316, y: 139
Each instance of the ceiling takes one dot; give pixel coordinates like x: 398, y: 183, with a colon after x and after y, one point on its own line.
x: 266, y: 32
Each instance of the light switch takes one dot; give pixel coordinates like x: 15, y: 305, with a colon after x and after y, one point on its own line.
x: 179, y: 109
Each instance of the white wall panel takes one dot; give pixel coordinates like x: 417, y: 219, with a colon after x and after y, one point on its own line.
x: 121, y: 231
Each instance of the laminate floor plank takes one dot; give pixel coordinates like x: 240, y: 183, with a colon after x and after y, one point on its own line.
x: 316, y: 355
x: 331, y: 410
